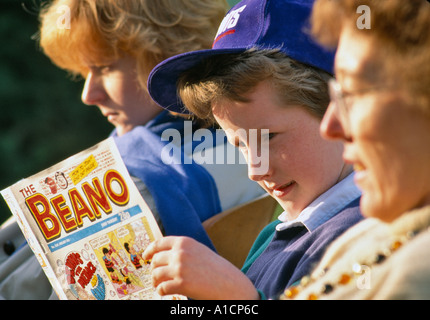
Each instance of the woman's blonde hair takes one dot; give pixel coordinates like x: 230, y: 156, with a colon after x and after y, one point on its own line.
x: 399, y: 28
x: 232, y: 76
x: 101, y: 31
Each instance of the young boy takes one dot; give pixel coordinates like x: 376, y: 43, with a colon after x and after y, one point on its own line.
x: 263, y: 75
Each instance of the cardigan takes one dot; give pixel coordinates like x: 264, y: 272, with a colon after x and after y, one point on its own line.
x: 390, y: 260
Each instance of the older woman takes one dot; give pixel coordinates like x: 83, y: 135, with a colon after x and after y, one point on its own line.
x: 381, y: 111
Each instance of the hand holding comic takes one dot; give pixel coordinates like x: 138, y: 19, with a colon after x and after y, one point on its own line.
x: 181, y: 265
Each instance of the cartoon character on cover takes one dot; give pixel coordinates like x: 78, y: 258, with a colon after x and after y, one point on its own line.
x: 123, y: 267
x: 135, y: 257
x: 51, y: 184
x: 109, y: 264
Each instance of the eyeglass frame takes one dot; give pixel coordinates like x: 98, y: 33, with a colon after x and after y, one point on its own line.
x: 338, y: 95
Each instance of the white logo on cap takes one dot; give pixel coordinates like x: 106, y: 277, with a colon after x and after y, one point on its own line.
x: 229, y: 21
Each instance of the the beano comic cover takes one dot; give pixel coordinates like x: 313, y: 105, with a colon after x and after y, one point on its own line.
x: 87, y: 224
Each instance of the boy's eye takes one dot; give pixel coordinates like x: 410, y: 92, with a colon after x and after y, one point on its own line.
x: 236, y: 141
x: 271, y: 135
x: 241, y: 145
x: 101, y: 69
x: 104, y: 69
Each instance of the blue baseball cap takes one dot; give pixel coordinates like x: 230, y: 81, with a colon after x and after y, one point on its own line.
x: 261, y: 24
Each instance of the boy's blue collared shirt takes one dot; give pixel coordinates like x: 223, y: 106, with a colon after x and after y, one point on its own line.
x: 324, y: 207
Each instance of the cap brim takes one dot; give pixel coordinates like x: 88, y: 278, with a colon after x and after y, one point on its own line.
x: 163, y: 78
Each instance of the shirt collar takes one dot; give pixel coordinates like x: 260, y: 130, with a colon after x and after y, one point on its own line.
x: 162, y: 121
x: 324, y: 207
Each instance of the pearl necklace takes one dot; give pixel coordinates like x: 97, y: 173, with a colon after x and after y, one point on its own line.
x: 345, y: 278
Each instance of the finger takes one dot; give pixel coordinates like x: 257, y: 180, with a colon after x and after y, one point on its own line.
x: 161, y: 273
x: 162, y: 288
x: 160, y: 259
x: 169, y: 287
x: 162, y: 244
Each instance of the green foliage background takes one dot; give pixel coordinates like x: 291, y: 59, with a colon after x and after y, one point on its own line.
x: 43, y: 120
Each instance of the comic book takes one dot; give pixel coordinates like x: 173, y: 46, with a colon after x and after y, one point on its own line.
x: 87, y: 223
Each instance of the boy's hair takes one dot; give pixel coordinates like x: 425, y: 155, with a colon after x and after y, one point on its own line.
x: 101, y: 31
x: 400, y: 29
x: 232, y: 76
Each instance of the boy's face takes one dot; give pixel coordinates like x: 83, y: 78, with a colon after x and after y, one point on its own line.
x: 115, y: 90
x: 385, y: 138
x: 301, y: 165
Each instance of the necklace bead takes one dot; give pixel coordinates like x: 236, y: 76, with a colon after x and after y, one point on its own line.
x: 312, y: 296
x: 327, y: 288
x: 345, y: 278
x: 290, y: 293
x: 396, y: 245
x: 380, y: 258
x: 357, y: 268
